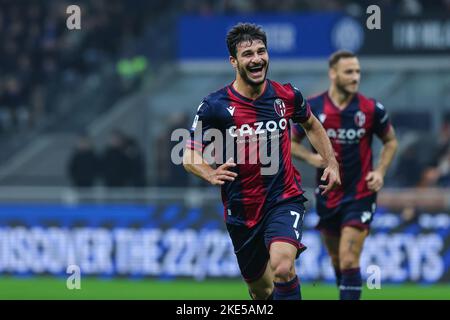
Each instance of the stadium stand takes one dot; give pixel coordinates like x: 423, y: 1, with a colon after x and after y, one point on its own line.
x: 86, y: 119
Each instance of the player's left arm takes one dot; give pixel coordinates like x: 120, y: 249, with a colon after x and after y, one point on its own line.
x: 385, y: 131
x: 301, y: 152
x: 320, y: 141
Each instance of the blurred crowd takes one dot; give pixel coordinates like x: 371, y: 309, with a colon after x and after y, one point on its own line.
x: 426, y: 161
x: 402, y: 7
x: 39, y: 56
x: 120, y: 164
x: 422, y: 162
x: 38, y: 53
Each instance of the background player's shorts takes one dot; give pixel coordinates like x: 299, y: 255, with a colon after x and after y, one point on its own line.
x: 281, y: 223
x: 358, y: 214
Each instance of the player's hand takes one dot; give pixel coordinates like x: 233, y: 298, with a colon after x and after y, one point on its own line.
x: 317, y: 161
x: 375, y: 180
x: 331, y: 176
x: 220, y: 175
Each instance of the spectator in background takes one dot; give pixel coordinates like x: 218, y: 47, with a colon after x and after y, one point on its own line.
x: 408, y: 174
x: 115, y: 163
x: 122, y: 163
x: 136, y: 162
x: 410, y: 214
x: 437, y: 172
x: 13, y: 100
x: 444, y: 138
x: 169, y: 174
x: 444, y: 171
x: 83, y: 166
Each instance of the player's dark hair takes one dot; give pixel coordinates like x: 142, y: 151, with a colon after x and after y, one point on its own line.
x: 244, y: 32
x: 338, y: 55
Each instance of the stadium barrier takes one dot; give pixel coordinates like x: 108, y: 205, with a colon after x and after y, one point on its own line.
x: 168, y: 233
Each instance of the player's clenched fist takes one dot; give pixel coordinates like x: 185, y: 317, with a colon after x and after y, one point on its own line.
x: 220, y: 175
x: 375, y: 180
x: 330, y: 174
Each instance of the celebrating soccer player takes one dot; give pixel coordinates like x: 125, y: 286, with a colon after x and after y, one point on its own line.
x: 263, y: 209
x: 350, y: 120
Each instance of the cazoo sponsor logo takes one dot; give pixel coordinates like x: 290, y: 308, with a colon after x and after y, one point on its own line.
x: 342, y: 135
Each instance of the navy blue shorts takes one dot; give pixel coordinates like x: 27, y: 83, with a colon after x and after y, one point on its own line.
x: 358, y: 214
x: 282, y: 223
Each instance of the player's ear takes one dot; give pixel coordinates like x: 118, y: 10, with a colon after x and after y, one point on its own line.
x: 332, y: 73
x: 233, y: 62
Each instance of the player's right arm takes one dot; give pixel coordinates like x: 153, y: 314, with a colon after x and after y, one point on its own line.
x: 193, y: 160
x: 301, y: 152
x: 194, y: 163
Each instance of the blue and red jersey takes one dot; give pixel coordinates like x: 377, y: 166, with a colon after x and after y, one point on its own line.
x: 245, y: 127
x: 350, y: 131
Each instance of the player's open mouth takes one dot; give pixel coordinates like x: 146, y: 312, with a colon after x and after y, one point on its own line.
x: 256, y: 70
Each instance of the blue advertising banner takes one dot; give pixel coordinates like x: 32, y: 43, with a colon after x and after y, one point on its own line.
x: 317, y: 35
x: 312, y: 35
x: 173, y: 240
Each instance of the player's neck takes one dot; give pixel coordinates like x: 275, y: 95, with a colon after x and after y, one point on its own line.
x: 247, y: 90
x: 340, y: 99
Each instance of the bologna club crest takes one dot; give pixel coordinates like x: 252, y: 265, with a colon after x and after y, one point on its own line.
x: 279, y: 107
x: 360, y: 119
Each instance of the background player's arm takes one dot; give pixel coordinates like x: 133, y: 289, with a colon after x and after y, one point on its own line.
x: 375, y: 178
x: 320, y: 141
x: 301, y: 152
x: 194, y: 163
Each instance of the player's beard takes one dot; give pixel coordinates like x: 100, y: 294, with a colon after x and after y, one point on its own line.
x: 243, y: 72
x: 342, y: 88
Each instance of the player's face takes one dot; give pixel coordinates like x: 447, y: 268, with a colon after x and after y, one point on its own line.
x: 252, y: 62
x: 346, y: 75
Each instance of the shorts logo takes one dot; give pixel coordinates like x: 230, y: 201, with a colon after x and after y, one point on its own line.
x: 297, y: 234
x: 280, y: 107
x: 360, y: 119
x: 366, y: 216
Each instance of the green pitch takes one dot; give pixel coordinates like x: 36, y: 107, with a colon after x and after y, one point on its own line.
x: 92, y: 288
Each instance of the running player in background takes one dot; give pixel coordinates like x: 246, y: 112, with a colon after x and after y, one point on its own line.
x: 350, y: 120
x: 263, y: 211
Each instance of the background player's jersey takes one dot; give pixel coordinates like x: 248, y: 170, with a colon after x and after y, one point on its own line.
x: 350, y: 131
x: 243, y: 125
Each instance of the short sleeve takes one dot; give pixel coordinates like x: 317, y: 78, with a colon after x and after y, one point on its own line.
x: 302, y: 110
x: 203, y: 121
x: 297, y: 132
x: 382, y: 122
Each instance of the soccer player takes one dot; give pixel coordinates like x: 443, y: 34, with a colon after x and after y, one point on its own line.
x: 350, y: 120
x: 263, y: 211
